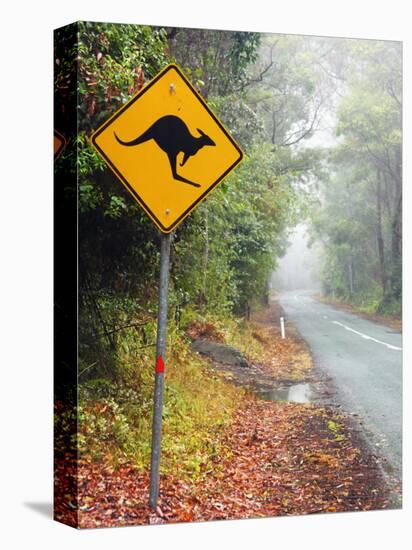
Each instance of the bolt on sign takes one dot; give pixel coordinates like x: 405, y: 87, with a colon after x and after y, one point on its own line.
x: 59, y: 143
x: 168, y: 148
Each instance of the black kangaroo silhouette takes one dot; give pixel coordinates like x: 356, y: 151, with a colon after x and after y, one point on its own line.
x: 173, y: 136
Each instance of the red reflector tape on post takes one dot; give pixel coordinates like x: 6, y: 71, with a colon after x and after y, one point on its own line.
x: 160, y: 366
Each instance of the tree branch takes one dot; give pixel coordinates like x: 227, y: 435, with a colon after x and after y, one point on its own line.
x: 259, y: 78
x: 306, y: 132
x: 393, y: 95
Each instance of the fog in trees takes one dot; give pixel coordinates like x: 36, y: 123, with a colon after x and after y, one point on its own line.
x: 332, y: 109
x: 300, y: 267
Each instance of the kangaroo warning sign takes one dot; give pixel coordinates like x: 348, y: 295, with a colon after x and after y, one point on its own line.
x: 167, y: 147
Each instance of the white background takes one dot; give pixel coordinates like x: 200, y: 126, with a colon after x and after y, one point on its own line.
x: 26, y: 270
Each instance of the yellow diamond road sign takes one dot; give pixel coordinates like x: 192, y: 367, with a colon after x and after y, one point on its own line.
x: 59, y: 143
x: 167, y: 147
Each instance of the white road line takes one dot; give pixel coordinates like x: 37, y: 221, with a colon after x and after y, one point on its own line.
x: 367, y: 337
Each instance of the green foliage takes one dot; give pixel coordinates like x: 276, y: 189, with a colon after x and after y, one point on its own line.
x: 336, y: 429
x: 217, y: 61
x: 287, y: 88
x: 359, y: 219
x: 241, y: 120
x: 225, y: 255
x: 113, y: 62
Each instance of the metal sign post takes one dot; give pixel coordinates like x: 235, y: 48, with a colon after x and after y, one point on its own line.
x: 160, y: 368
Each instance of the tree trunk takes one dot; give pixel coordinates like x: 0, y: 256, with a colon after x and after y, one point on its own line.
x: 396, y: 227
x: 379, y: 234
x: 351, y: 277
x: 396, y: 233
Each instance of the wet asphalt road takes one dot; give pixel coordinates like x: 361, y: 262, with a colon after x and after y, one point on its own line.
x: 364, y: 360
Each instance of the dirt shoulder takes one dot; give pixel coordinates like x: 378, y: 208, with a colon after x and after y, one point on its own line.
x: 390, y: 321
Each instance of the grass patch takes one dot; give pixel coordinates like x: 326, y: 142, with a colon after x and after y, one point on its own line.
x: 115, y: 417
x: 336, y: 430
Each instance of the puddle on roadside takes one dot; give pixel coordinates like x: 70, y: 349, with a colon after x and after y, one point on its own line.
x: 298, y: 393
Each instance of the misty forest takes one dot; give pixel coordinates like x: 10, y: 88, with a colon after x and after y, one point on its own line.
x: 315, y: 204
